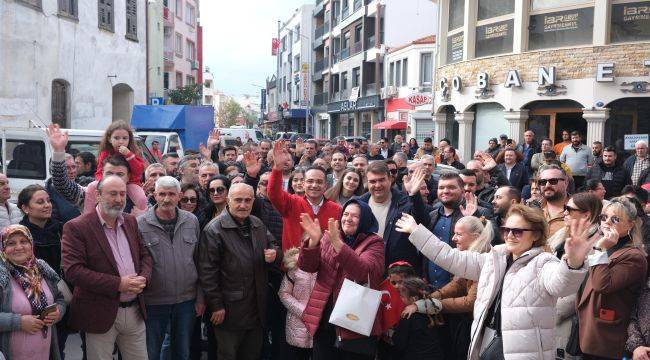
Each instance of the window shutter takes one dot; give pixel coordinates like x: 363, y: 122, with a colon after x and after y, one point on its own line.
x: 105, y: 12
x: 132, y: 18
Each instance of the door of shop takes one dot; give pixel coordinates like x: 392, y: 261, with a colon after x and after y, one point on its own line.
x: 551, y: 123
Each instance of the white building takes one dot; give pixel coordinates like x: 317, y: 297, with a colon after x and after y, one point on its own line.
x: 80, y: 64
x: 181, y: 44
x: 208, y: 87
x: 294, y: 69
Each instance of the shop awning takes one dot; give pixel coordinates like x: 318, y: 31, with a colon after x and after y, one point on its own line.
x: 390, y: 125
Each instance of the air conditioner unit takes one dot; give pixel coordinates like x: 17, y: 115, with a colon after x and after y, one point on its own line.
x: 389, y: 91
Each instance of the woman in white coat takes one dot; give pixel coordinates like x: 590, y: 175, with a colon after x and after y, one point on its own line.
x: 518, y: 282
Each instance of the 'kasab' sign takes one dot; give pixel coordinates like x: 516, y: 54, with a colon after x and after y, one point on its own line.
x: 418, y: 99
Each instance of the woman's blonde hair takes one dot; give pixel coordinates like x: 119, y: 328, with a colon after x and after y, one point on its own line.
x: 624, y: 207
x: 535, y: 217
x: 482, y: 229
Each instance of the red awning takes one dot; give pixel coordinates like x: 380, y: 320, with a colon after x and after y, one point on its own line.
x: 390, y: 125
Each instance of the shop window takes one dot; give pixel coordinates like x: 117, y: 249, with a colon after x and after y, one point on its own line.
x: 456, y: 13
x: 455, y: 47
x: 630, y: 22
x: 493, y: 8
x: 549, y: 4
x: 561, y: 28
x: 494, y: 38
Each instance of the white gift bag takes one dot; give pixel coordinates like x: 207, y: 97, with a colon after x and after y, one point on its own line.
x: 356, y: 308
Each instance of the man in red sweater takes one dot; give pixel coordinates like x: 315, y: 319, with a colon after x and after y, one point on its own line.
x: 290, y: 206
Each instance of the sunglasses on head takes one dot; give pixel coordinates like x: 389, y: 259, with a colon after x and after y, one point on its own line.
x: 615, y: 219
x: 517, y: 232
x: 191, y: 200
x: 568, y: 208
x: 554, y: 181
x: 218, y: 190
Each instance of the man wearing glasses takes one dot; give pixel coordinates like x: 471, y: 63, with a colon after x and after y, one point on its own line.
x: 384, y: 149
x: 552, y: 182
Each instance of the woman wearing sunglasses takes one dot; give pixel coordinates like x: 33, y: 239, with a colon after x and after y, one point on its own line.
x: 189, y: 198
x: 346, y: 188
x: 518, y: 282
x: 616, y: 276
x: 217, y: 195
x: 580, y: 206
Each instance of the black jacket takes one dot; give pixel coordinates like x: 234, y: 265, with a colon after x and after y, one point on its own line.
x: 518, y: 175
x: 414, y: 339
x: 613, y: 178
x: 47, y: 242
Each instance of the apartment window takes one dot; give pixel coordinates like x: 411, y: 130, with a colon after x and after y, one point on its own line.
x: 494, y: 38
x: 179, y: 79
x: 426, y: 71
x: 630, y: 22
x: 106, y: 13
x: 60, y: 92
x: 191, y: 54
x: 493, y: 8
x: 456, y: 13
x: 178, y: 45
x: 558, y: 28
x: 189, y: 80
x: 69, y: 8
x: 296, y: 63
x: 190, y: 16
x: 297, y: 33
x: 132, y: 19
x: 398, y: 73
x: 179, y: 9
x: 346, y: 40
x: 36, y: 4
x: 357, y: 33
x: 166, y: 80
x: 405, y: 72
x: 344, y: 81
x: 391, y: 74
x: 356, y: 77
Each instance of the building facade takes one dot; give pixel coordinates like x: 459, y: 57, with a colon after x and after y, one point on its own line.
x: 155, y: 51
x: 66, y: 61
x: 293, y: 69
x: 505, y: 66
x: 351, y: 38
x: 408, y: 96
x: 182, y: 64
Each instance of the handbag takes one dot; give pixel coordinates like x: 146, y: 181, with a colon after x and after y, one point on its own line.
x: 494, y: 349
x: 573, y: 343
x: 356, y: 308
x: 65, y: 291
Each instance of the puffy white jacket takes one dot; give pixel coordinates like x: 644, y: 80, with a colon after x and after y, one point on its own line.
x: 530, y: 291
x: 9, y: 215
x: 294, y: 293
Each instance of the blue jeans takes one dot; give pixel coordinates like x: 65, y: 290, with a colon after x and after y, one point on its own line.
x: 178, y: 319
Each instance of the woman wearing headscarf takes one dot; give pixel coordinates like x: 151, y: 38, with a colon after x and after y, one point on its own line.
x: 27, y: 287
x: 349, y: 249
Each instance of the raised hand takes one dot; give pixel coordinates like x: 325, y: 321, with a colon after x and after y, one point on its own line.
x: 213, y: 138
x: 406, y: 224
x: 488, y: 162
x: 334, y: 235
x: 412, y: 186
x: 205, y: 152
x: 253, y: 165
x: 312, y: 228
x: 58, y: 139
x: 578, y: 245
x: 280, y: 155
x: 471, y: 204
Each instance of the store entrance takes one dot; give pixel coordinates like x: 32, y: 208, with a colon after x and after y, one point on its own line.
x: 551, y: 123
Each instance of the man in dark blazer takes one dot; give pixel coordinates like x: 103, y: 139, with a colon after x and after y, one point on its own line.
x: 515, y: 171
x: 104, y: 258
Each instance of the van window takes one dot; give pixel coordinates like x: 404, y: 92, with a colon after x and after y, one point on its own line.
x: 174, y: 144
x: 76, y: 147
x: 25, y: 159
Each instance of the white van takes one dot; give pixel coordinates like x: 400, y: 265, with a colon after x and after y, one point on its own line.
x: 243, y: 134
x: 169, y: 142
x: 26, y: 153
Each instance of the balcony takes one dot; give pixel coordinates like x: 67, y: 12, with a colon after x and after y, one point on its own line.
x: 319, y: 7
x: 357, y: 48
x: 168, y: 56
x: 370, y: 42
x: 335, y: 21
x: 320, y: 99
x: 370, y: 89
x: 168, y: 17
x: 345, y: 53
x: 320, y: 65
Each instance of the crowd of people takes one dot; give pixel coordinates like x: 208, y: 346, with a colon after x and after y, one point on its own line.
x: 525, y: 251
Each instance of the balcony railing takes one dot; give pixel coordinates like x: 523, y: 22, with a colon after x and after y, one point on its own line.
x: 326, y: 27
x: 319, y: 65
x: 168, y: 57
x: 335, y: 21
x: 369, y: 89
x: 320, y: 99
x: 357, y: 4
x: 345, y: 53
x: 370, y: 42
x: 357, y: 48
x: 168, y: 17
x: 318, y: 33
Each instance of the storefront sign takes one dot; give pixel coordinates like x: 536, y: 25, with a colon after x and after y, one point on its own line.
x: 363, y: 103
x: 455, y: 48
x: 418, y: 99
x: 304, y: 74
x: 562, y: 28
x: 631, y: 139
x: 630, y: 22
x: 494, y: 38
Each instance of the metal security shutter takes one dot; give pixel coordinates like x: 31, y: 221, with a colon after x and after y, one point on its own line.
x: 423, y: 128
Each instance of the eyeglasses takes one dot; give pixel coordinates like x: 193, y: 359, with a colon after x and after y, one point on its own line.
x: 554, y: 181
x: 218, y: 190
x: 191, y: 200
x: 568, y: 208
x: 393, y: 171
x: 615, y: 219
x: 517, y: 232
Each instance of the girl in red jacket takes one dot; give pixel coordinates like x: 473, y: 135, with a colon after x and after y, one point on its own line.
x: 118, y: 140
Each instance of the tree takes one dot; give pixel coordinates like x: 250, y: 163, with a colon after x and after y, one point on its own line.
x: 229, y: 112
x: 185, y: 95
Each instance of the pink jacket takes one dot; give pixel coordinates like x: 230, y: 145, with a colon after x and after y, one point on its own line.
x: 294, y: 294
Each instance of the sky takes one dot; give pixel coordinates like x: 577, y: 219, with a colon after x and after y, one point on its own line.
x: 237, y: 41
